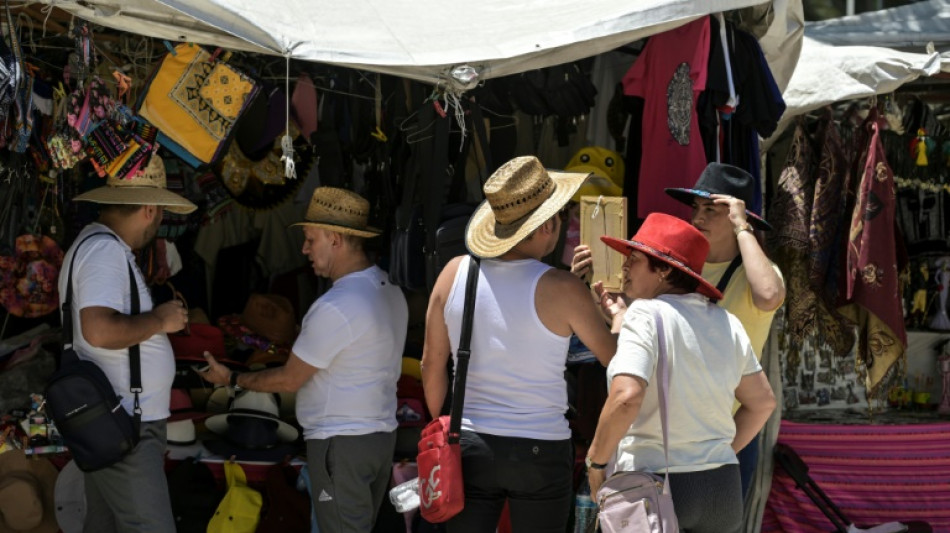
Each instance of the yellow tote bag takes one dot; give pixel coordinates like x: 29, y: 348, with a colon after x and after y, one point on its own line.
x: 240, y: 510
x: 195, y: 100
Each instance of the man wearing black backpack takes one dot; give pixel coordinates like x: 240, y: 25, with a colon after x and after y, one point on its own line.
x: 132, y: 494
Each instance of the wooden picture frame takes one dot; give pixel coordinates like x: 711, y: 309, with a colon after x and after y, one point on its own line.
x: 604, y: 215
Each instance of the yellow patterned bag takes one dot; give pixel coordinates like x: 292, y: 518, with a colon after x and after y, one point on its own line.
x: 195, y: 100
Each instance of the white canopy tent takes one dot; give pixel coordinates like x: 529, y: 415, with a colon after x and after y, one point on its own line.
x: 826, y: 74
x: 426, y: 39
x: 907, y: 28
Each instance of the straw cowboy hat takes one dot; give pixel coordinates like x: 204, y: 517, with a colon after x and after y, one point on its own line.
x: 519, y: 197
x: 27, y: 494
x: 718, y: 178
x: 147, y: 188
x: 673, y: 241
x: 339, y: 210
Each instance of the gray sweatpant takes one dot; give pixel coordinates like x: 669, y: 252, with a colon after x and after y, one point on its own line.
x: 349, y: 475
x: 131, y: 496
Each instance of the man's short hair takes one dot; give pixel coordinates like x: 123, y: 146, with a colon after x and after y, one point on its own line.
x: 120, y: 209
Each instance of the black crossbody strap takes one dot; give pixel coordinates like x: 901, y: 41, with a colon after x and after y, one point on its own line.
x: 727, y: 275
x: 135, y: 360
x: 464, y: 351
x: 67, y: 307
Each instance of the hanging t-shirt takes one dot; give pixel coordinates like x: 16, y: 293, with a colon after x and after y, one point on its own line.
x: 733, y: 138
x: 669, y: 75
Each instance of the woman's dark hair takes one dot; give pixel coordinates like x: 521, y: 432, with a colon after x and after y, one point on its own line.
x: 677, y: 278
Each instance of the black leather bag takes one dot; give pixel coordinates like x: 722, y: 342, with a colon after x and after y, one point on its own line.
x: 407, y: 267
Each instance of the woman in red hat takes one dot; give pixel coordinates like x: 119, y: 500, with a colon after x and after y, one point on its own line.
x: 710, y: 362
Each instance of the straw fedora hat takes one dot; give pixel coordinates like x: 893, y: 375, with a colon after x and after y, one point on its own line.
x: 339, y: 210
x: 719, y: 178
x: 673, y: 241
x: 27, y: 494
x: 147, y: 188
x: 519, y: 196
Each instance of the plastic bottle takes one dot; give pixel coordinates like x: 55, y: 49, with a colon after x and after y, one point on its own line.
x: 585, y: 509
x: 405, y: 496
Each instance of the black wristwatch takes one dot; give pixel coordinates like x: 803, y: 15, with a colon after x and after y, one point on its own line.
x: 232, y: 380
x: 591, y: 465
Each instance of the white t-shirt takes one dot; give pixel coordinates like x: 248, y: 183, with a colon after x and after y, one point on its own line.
x: 708, y: 353
x: 355, y: 335
x: 101, y: 279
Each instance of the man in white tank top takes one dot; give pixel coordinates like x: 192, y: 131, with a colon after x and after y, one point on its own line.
x: 515, y: 439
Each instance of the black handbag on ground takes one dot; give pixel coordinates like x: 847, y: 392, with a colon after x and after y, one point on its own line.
x: 81, y: 401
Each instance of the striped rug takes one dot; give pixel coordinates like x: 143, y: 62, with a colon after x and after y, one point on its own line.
x: 873, y: 473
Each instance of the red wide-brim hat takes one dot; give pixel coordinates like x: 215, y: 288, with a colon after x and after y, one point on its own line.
x: 673, y: 241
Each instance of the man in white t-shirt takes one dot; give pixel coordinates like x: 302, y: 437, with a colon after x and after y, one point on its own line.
x: 344, y: 366
x: 131, y: 495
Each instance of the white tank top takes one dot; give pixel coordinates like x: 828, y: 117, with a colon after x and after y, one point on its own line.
x: 515, y: 385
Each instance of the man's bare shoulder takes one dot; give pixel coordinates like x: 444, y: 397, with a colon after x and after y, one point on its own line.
x: 561, y: 281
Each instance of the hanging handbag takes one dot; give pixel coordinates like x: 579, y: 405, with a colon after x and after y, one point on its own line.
x: 441, y: 492
x: 641, y: 501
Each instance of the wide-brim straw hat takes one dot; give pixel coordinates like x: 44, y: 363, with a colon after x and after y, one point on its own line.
x: 27, y: 499
x: 719, y: 178
x: 519, y: 197
x: 673, y: 241
x: 339, y: 210
x: 147, y: 188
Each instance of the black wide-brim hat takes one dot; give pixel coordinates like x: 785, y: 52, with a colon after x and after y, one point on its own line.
x: 718, y: 178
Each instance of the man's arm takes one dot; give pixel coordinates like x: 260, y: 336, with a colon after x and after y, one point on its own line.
x: 758, y: 402
x: 437, y: 348
x: 768, y: 289
x: 107, y: 328
x: 286, y: 378
x: 565, y: 306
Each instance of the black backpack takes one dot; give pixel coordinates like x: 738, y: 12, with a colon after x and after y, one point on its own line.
x: 81, y: 401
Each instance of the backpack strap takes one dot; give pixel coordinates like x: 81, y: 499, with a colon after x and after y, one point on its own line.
x: 135, y: 360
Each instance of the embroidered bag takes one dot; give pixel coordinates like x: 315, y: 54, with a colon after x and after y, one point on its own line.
x: 195, y: 100
x: 441, y: 491
x: 641, y: 502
